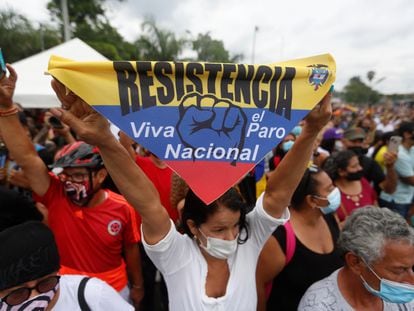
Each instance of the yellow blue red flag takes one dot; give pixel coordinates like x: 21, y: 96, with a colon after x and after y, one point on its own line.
x: 210, y: 122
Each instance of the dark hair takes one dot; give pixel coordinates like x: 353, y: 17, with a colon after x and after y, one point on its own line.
x: 307, y: 185
x: 384, y: 138
x: 406, y: 127
x: 328, y: 144
x: 16, y: 209
x: 338, y: 160
x: 196, y: 210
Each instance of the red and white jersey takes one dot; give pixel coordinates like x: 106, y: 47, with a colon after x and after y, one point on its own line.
x: 90, y: 239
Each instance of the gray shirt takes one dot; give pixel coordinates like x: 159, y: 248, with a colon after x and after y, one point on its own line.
x: 324, y: 295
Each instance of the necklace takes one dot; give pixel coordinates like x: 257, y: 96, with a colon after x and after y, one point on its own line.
x: 355, y: 198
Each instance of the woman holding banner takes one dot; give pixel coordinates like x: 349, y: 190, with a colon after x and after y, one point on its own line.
x: 213, y: 265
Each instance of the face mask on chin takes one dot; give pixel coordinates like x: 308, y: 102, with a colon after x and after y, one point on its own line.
x: 219, y: 248
x: 78, y: 193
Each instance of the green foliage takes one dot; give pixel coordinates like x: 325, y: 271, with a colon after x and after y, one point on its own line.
x: 407, y: 97
x: 212, y: 50
x: 356, y: 91
x: 106, y: 49
x: 158, y: 44
x: 106, y: 39
x: 20, y: 39
x: 80, y: 11
x: 89, y: 23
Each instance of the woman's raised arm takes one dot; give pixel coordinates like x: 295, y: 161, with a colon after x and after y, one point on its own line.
x: 138, y: 190
x: 285, y: 178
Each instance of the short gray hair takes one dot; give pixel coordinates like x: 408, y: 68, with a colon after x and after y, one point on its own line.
x: 367, y: 229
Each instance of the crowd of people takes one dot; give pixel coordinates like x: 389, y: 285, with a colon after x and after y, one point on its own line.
x: 90, y: 220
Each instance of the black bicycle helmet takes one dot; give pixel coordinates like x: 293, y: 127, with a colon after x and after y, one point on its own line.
x: 78, y: 154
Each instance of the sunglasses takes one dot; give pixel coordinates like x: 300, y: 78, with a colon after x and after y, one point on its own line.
x: 21, y: 294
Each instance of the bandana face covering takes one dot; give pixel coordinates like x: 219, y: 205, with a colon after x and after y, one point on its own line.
x: 78, y: 193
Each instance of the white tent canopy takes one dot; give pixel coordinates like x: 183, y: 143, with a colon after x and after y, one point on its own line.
x: 33, y: 88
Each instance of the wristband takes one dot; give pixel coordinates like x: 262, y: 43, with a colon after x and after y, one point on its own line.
x: 9, y: 112
x: 137, y: 286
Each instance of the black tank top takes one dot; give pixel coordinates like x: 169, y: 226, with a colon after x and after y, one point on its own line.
x: 305, y: 268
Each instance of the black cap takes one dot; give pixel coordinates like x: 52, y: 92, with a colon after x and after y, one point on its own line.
x: 27, y: 252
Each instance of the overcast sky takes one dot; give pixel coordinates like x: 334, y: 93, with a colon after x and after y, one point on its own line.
x: 362, y: 35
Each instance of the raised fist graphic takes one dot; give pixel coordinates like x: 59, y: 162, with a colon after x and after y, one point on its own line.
x: 206, y: 118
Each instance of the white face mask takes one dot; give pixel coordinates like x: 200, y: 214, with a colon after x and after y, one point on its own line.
x: 334, y: 201
x: 219, y: 248
x: 339, y: 146
x: 391, y: 291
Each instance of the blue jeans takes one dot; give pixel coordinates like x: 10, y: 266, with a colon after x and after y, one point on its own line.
x: 401, y: 209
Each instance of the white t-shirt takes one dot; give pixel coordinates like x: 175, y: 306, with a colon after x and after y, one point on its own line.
x: 404, y: 166
x: 184, y: 268
x: 98, y: 295
x: 324, y: 295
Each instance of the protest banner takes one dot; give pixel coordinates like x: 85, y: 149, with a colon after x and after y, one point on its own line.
x: 210, y: 122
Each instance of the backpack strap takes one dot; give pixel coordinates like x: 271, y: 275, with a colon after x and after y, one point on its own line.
x: 290, y: 242
x: 81, y: 294
x: 289, y: 252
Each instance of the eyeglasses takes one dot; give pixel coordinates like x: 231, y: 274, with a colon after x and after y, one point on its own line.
x: 75, y: 177
x: 21, y: 294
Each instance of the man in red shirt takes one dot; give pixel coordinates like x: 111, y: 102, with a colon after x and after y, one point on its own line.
x: 96, y: 230
x: 161, y: 176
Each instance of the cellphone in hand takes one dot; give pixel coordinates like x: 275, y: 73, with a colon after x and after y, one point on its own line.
x: 394, y: 143
x: 3, y: 67
x: 55, y: 123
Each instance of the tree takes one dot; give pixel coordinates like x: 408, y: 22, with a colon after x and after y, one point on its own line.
x: 107, y: 40
x: 89, y: 23
x: 158, y: 44
x: 356, y: 91
x: 370, y: 76
x: 80, y: 12
x: 20, y: 39
x: 212, y: 50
